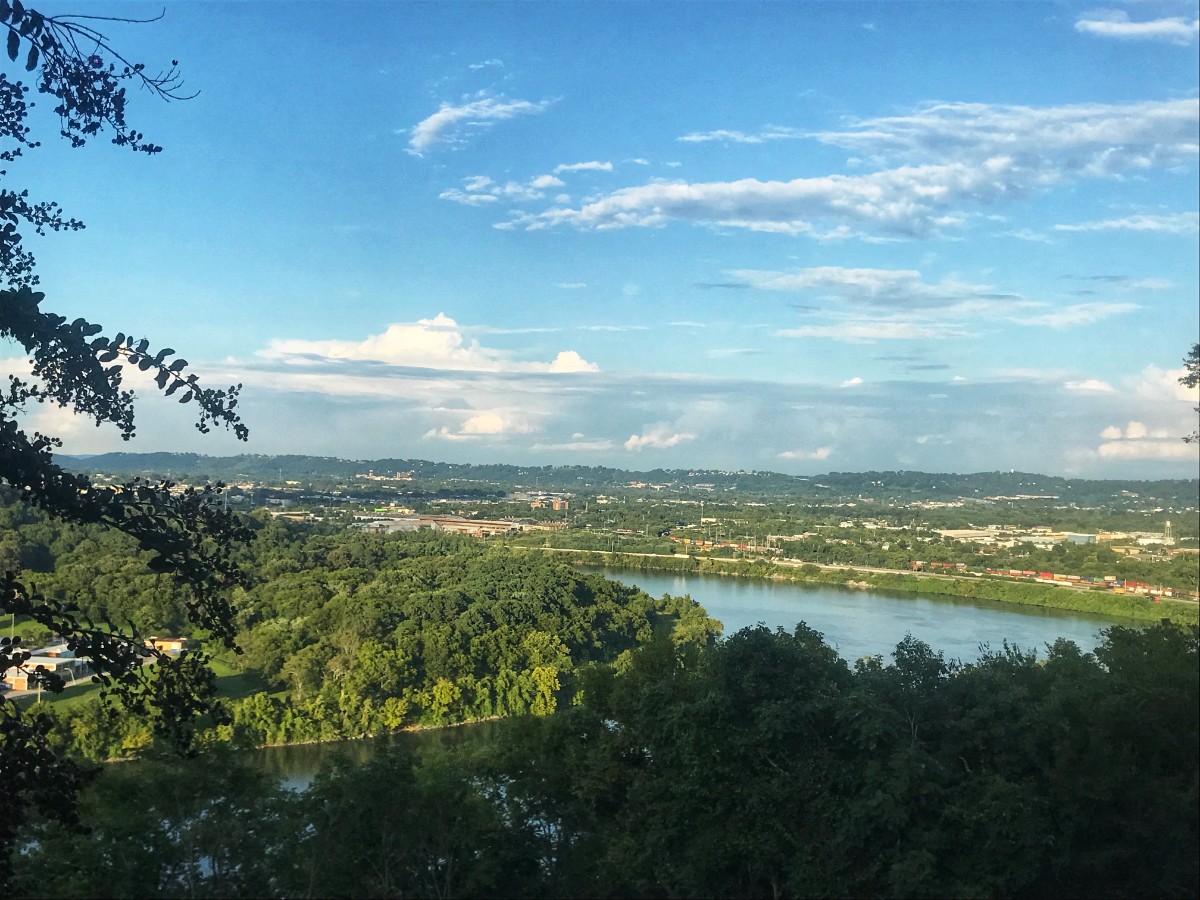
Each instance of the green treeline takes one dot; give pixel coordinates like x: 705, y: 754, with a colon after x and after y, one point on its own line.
x: 760, y: 766
x: 347, y: 634
x: 1027, y: 593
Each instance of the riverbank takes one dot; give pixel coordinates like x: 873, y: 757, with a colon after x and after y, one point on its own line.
x: 1124, y: 606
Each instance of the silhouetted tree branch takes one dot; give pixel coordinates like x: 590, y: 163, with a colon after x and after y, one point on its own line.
x: 74, y: 366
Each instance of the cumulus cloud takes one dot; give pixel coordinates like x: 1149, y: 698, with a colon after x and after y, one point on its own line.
x: 437, y: 343
x: 932, y: 165
x: 1138, y: 441
x: 592, y: 166
x: 571, y: 285
x: 1147, y: 450
x: 1154, y: 383
x: 1116, y: 24
x: 1172, y: 223
x: 448, y: 124
x: 851, y: 382
x: 570, y: 361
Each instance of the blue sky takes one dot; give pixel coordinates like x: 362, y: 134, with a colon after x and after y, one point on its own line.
x: 792, y: 236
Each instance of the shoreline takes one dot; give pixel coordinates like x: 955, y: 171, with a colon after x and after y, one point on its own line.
x: 1134, y: 608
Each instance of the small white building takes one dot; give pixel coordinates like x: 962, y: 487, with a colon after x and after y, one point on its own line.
x: 57, y: 659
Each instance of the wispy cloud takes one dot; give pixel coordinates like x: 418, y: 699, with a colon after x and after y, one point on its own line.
x: 770, y: 133
x: 1117, y: 24
x: 1076, y: 315
x: 819, y: 453
x: 727, y: 352
x: 448, y: 124
x: 864, y: 331
x: 934, y: 164
x: 592, y: 166
x: 1169, y: 223
x: 891, y: 288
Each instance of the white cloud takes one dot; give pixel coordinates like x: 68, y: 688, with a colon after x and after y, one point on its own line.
x: 479, y: 190
x: 491, y: 423
x: 1111, y: 433
x: 1090, y: 384
x: 1032, y: 145
x: 933, y: 163
x: 487, y: 64
x: 437, y: 343
x: 447, y: 124
x: 1157, y: 384
x: 571, y: 285
x: 1116, y: 24
x: 570, y: 361
x: 1027, y: 234
x: 819, y: 453
x: 1173, y: 223
x: 770, y: 133
x: 577, y: 445
x: 1132, y: 450
x: 592, y: 166
x: 867, y: 331
x: 657, y: 437
x: 851, y: 382
x: 1076, y: 315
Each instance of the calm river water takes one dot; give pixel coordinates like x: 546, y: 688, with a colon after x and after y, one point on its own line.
x: 856, y: 623
x: 866, y: 623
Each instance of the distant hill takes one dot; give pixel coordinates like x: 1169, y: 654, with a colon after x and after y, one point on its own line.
x: 324, y: 472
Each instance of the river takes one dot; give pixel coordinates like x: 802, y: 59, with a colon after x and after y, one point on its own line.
x: 865, y: 623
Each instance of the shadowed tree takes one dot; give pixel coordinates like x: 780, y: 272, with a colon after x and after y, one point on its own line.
x: 75, y: 365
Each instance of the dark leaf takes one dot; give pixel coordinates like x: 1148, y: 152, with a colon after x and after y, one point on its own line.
x: 14, y: 45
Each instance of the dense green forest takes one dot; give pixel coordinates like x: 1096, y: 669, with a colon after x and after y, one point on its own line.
x: 344, y: 634
x: 760, y: 766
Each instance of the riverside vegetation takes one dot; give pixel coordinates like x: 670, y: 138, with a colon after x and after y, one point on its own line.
x: 674, y: 763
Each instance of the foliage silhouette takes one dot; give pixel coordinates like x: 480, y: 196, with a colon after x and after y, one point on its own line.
x: 74, y: 366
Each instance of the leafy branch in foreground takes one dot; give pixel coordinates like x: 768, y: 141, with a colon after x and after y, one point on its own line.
x: 186, y: 533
